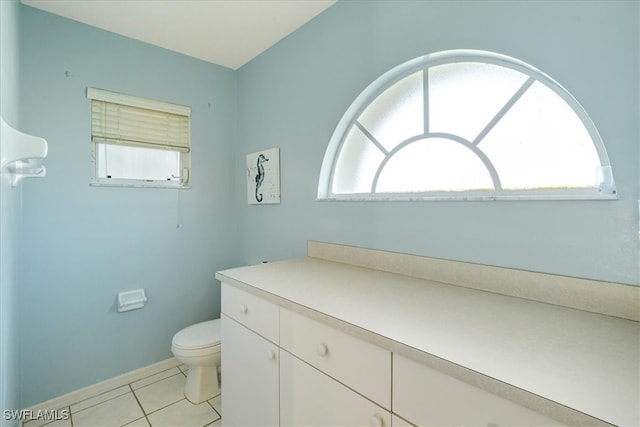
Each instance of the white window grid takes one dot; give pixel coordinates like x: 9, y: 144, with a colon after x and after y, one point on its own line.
x: 604, y: 190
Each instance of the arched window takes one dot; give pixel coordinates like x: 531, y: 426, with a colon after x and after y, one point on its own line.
x: 465, y: 125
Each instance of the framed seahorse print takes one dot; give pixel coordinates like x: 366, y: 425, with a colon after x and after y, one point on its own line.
x: 263, y: 177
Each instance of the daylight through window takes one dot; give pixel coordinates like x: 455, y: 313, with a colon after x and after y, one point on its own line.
x: 465, y: 125
x: 139, y: 142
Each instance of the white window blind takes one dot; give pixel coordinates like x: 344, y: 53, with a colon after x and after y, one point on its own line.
x: 139, y: 142
x: 132, y: 121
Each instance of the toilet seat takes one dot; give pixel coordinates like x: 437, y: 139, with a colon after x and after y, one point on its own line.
x: 199, y: 336
x: 198, y: 347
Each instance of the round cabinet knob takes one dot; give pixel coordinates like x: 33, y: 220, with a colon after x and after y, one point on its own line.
x: 271, y: 354
x: 376, y: 421
x: 244, y: 308
x: 322, y: 349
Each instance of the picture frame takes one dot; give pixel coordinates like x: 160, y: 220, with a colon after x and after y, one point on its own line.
x: 263, y: 177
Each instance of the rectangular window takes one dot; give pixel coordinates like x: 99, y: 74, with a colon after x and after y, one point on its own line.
x: 139, y: 142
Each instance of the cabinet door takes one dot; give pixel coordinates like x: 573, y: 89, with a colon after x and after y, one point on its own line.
x: 249, y: 375
x: 309, y: 397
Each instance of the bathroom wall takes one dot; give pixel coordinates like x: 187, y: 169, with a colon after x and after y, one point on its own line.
x: 83, y: 244
x: 9, y: 219
x: 293, y: 96
x: 80, y: 245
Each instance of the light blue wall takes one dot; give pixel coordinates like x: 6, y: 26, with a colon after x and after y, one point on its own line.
x: 9, y: 218
x: 83, y: 244
x: 293, y: 96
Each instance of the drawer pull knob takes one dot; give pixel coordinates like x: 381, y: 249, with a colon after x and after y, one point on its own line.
x: 271, y: 354
x: 322, y: 349
x: 244, y: 308
x: 376, y: 421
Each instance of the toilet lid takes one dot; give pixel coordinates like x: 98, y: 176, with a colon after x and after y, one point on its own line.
x: 200, y: 335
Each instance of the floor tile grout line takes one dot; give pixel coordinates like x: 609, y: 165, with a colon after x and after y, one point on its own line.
x: 166, y: 406
x: 144, y: 414
x: 122, y: 386
x: 99, y: 403
x: 155, y: 382
x: 131, y: 390
x: 146, y: 385
x: 187, y: 400
x: 214, y: 409
x: 53, y: 421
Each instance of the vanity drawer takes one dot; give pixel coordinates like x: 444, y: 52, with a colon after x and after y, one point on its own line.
x: 427, y: 397
x: 310, y: 398
x: 256, y: 313
x: 362, y: 366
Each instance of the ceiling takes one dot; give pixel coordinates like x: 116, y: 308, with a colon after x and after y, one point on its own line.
x: 224, y: 32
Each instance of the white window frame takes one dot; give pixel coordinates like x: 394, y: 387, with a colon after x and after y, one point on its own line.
x: 181, y: 144
x: 606, y: 191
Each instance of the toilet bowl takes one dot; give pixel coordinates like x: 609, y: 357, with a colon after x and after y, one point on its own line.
x: 198, y: 347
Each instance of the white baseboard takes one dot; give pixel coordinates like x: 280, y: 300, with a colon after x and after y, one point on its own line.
x: 76, y: 396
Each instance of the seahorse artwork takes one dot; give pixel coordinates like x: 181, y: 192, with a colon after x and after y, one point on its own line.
x: 263, y: 177
x: 260, y: 175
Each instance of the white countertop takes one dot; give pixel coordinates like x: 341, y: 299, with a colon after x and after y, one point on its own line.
x: 588, y: 362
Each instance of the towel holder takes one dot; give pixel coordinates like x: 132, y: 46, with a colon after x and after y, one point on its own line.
x: 21, y: 154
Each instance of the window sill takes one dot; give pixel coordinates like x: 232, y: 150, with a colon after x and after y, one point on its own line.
x: 131, y: 183
x: 444, y: 197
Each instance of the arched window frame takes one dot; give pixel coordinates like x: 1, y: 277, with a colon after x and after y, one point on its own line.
x: 606, y: 190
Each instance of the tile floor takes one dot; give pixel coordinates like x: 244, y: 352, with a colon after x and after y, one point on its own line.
x: 157, y: 400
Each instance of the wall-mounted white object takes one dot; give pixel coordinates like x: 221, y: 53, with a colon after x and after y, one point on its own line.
x: 130, y: 300
x: 21, y: 154
x: 263, y: 177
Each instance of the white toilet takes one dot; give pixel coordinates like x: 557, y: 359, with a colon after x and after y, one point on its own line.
x: 198, y: 347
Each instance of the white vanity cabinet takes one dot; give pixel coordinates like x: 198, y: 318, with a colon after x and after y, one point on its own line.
x: 360, y: 365
x: 323, y: 343
x: 250, y: 359
x: 427, y: 397
x: 310, y: 397
x: 281, y: 367
x: 331, y: 378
